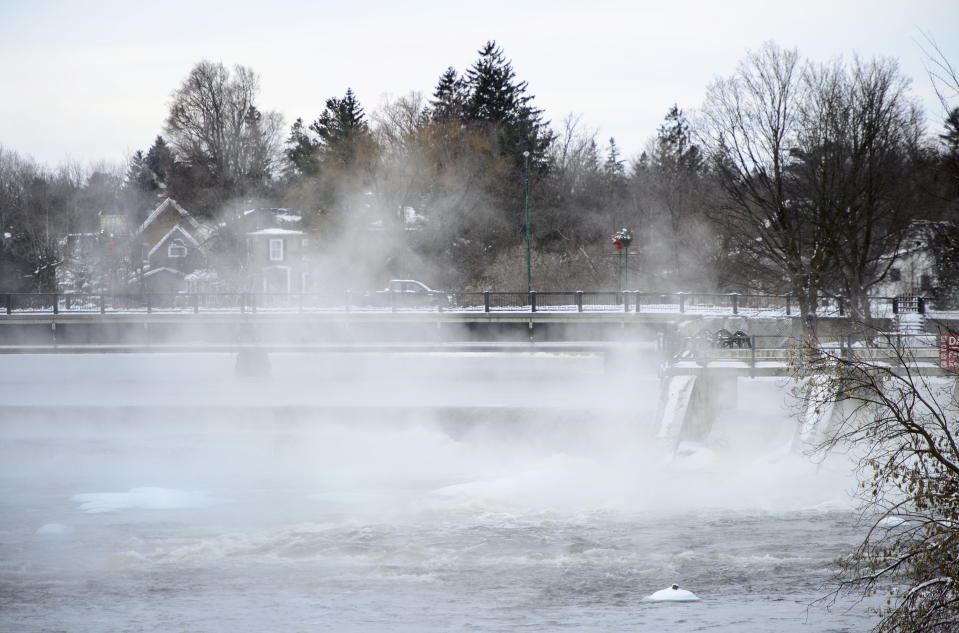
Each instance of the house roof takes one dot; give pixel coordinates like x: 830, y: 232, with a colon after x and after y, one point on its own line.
x: 176, y: 227
x: 161, y: 269
x: 166, y: 204
x: 276, y: 232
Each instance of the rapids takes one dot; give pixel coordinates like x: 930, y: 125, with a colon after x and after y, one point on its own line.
x: 430, y: 493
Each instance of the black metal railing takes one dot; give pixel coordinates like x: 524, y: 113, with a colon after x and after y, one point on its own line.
x: 488, y: 301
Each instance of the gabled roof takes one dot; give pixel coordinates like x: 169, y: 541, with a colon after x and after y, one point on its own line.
x: 276, y: 232
x: 166, y: 204
x: 163, y: 269
x: 134, y: 277
x: 163, y: 239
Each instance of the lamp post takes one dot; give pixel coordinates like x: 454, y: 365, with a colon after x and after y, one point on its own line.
x: 621, y: 240
x: 529, y: 239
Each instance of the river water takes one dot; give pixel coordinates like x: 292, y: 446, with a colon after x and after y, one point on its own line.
x: 401, y: 493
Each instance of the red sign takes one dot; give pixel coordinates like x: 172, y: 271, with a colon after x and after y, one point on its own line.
x: 949, y: 351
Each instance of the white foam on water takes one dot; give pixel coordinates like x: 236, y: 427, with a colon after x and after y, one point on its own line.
x: 147, y: 498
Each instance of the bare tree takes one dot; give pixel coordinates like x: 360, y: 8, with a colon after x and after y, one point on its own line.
x: 34, y: 207
x: 217, y: 128
x: 858, y: 144
x: 902, y: 426
x: 818, y: 168
x: 942, y: 73
x: 750, y: 126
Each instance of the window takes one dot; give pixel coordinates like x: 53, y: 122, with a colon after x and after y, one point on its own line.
x: 176, y: 248
x: 895, y: 275
x: 276, y: 250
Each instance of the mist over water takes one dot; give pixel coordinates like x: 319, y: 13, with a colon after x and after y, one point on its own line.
x: 400, y: 493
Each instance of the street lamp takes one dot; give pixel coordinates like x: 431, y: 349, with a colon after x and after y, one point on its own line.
x: 621, y: 240
x: 529, y: 241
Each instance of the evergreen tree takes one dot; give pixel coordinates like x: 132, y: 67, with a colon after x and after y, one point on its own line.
x: 302, y: 151
x: 613, y: 168
x: 341, y: 128
x: 674, y: 145
x: 138, y: 176
x: 495, y: 97
x: 951, y: 137
x: 160, y: 162
x: 449, y: 98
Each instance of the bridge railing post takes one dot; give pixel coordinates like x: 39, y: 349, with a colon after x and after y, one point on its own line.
x: 486, y: 301
x: 895, y: 305
x: 532, y: 301
x: 734, y: 297
x: 392, y: 301
x: 682, y: 303
x: 625, y: 301
x: 195, y: 299
x: 752, y: 355
x: 148, y: 298
x: 579, y: 300
x: 349, y: 299
x: 9, y: 302
x: 841, y: 304
x: 921, y: 304
x: 788, y: 305
x: 56, y: 303
x: 103, y: 305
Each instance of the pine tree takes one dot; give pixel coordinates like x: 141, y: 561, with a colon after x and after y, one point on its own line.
x: 302, y: 151
x: 674, y: 145
x: 951, y: 137
x: 449, y: 98
x: 341, y: 128
x: 497, y: 100
x: 139, y: 176
x: 614, y: 164
x: 161, y: 163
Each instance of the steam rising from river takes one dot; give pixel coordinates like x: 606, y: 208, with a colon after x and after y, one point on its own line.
x: 471, y: 474
x: 413, y: 433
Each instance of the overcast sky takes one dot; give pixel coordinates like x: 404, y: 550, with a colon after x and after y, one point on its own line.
x: 91, y: 80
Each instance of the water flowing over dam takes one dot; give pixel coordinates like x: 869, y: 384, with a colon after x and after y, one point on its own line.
x: 402, y: 492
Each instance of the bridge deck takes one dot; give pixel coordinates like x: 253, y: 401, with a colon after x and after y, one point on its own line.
x: 779, y: 362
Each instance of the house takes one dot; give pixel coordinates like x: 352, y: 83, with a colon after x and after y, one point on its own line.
x: 920, y: 267
x: 276, y: 251
x: 170, y: 245
x: 913, y: 268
